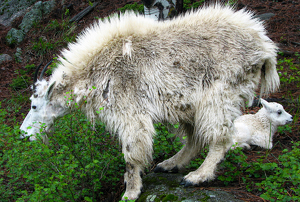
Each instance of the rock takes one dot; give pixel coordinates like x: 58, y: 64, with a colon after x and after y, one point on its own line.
x: 165, y: 187
x: 5, y: 57
x: 18, y: 55
x: 15, y: 36
x: 36, y: 14
x: 265, y: 16
x: 10, y: 10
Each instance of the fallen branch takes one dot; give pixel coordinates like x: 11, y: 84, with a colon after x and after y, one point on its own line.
x: 83, y: 13
x: 295, y: 43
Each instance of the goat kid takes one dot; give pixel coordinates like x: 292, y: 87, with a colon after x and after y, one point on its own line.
x: 259, y: 129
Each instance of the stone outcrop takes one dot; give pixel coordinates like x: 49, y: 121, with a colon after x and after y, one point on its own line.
x: 165, y: 187
x: 31, y: 14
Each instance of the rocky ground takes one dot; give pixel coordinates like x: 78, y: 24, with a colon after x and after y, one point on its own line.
x: 283, y: 27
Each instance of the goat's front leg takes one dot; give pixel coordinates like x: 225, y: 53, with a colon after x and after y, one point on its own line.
x: 137, y: 148
x: 133, y: 182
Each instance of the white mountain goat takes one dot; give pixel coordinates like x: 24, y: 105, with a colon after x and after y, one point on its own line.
x: 196, y: 70
x: 259, y: 129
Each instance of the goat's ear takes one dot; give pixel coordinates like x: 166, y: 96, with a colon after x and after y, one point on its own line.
x: 264, y: 103
x: 49, y: 91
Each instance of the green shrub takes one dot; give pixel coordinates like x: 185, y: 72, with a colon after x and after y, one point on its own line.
x: 284, y: 183
x: 187, y: 4
x: 77, y: 165
x: 234, y: 165
x: 30, y: 67
x: 289, y: 71
x: 135, y: 7
x: 22, y: 81
x: 165, y: 143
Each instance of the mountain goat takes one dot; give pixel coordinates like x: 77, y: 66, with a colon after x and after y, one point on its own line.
x: 196, y: 70
x: 259, y: 129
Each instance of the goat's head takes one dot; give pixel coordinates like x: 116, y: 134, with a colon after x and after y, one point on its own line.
x: 276, y: 114
x: 44, y: 110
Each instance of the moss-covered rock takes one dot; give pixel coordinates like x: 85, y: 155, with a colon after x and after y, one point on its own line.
x: 165, y: 187
x: 34, y: 15
x: 15, y: 36
x: 38, y: 10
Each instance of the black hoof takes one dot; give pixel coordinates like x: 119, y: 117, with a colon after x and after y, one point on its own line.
x: 175, y: 169
x: 159, y: 169
x: 186, y: 183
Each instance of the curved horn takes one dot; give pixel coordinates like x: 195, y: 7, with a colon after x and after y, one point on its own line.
x: 35, y: 75
x: 45, y: 68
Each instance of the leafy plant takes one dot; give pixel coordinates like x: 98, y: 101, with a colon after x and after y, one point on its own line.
x: 135, y: 7
x: 284, y: 129
x: 284, y: 183
x: 289, y: 72
x: 76, y: 164
x: 165, y: 143
x: 30, y: 67
x: 187, y: 4
x: 235, y: 164
x: 42, y: 46
x: 22, y: 80
x: 63, y: 34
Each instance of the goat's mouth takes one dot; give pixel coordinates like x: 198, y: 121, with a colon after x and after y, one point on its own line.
x: 289, y: 121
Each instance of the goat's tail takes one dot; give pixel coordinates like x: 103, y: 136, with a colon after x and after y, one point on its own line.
x: 269, y: 77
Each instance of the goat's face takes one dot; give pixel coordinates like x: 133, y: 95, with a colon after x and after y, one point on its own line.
x: 276, y: 114
x: 43, y: 111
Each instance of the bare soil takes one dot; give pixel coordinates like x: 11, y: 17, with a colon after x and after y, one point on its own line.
x: 283, y: 28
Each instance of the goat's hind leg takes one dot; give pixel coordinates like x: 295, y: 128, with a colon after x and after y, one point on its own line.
x: 184, y: 156
x: 206, y: 171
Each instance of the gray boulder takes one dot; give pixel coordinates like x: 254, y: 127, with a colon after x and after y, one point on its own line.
x: 34, y: 15
x: 12, y: 9
x: 165, y: 187
x: 5, y: 57
x: 37, y: 12
x: 15, y: 36
x: 18, y: 55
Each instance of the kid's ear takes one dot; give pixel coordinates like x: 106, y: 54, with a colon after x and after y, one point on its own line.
x: 264, y: 103
x: 50, y: 91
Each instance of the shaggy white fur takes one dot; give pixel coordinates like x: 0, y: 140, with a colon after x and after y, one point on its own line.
x: 259, y: 129
x: 197, y: 70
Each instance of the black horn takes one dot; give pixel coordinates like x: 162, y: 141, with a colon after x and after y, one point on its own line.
x: 35, y: 75
x: 45, y: 68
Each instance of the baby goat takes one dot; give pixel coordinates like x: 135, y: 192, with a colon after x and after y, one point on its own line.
x: 259, y: 129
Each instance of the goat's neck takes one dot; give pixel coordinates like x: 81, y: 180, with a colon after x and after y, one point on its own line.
x: 261, y: 115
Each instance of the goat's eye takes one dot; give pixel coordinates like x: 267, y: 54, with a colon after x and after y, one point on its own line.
x: 279, y: 112
x: 35, y: 95
x: 33, y: 107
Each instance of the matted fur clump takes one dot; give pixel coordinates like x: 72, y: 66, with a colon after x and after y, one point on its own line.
x: 197, y: 70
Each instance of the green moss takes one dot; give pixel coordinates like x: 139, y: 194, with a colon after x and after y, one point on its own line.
x: 170, y: 197
x: 206, y: 197
x: 162, y: 178
x: 143, y: 197
x: 149, y: 180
